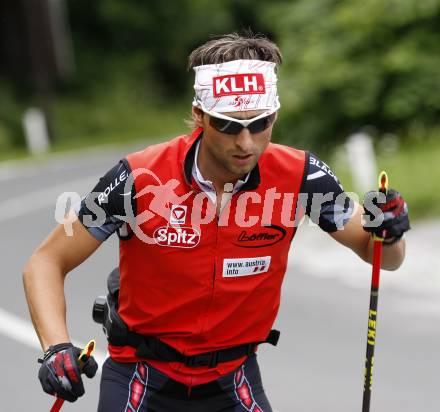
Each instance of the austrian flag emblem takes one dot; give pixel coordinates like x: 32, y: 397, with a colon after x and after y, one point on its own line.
x: 178, y: 214
x: 233, y: 84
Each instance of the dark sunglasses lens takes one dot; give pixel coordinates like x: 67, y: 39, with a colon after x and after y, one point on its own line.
x: 231, y: 127
x: 225, y: 126
x: 261, y: 124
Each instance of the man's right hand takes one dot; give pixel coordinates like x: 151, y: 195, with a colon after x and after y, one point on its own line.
x: 60, y: 372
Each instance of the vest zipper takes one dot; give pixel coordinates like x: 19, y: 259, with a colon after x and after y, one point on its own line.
x: 214, y: 272
x: 208, y: 309
x: 190, y: 386
x: 211, y: 299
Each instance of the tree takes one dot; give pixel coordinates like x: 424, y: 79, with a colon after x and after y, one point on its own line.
x: 352, y: 63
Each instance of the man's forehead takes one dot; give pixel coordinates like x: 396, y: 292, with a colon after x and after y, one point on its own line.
x: 245, y: 114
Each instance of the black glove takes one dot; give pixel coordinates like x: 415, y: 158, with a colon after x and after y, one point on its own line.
x: 60, y: 372
x: 394, y: 211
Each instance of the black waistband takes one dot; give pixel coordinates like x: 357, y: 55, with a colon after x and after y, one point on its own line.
x: 152, y: 348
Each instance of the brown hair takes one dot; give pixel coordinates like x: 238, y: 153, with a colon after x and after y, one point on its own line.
x: 234, y: 46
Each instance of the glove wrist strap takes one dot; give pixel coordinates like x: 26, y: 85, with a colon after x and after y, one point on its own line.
x: 54, y: 349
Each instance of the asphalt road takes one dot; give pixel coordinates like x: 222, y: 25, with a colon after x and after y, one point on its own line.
x: 318, y: 365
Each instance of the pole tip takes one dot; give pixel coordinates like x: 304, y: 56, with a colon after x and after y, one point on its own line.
x: 87, y: 351
x: 383, y: 181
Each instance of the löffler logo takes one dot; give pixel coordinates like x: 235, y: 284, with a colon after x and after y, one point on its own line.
x: 178, y: 214
x: 269, y: 236
x: 183, y: 237
x: 233, y: 84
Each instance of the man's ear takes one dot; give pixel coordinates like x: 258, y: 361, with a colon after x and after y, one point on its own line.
x: 197, y: 116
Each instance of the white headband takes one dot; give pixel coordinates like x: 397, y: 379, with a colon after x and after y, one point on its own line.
x: 236, y: 86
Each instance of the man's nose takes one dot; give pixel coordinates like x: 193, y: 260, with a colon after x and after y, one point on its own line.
x: 244, y: 140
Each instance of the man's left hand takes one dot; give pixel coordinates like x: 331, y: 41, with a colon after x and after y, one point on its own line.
x: 395, y: 215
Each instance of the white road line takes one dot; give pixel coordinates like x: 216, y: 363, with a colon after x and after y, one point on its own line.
x: 41, y: 199
x: 22, y: 331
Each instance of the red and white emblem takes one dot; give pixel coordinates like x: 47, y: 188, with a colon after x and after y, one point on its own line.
x: 233, y: 84
x: 178, y: 214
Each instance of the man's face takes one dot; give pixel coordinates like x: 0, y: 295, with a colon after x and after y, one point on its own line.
x: 232, y: 155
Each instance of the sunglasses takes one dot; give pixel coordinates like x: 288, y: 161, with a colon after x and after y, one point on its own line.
x: 230, y: 125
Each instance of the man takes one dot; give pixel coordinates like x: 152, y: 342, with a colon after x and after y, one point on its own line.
x: 205, y: 223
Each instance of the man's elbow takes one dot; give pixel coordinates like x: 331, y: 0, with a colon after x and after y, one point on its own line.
x: 38, y: 263
x: 29, y: 270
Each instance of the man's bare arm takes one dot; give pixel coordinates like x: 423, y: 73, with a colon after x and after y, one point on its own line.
x: 43, y: 278
x: 361, y: 242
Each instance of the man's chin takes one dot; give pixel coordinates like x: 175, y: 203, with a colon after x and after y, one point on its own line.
x: 241, y: 172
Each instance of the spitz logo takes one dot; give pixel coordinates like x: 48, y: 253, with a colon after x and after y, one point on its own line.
x: 178, y: 214
x: 184, y: 237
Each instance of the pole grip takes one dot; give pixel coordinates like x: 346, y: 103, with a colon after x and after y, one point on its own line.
x: 82, y: 358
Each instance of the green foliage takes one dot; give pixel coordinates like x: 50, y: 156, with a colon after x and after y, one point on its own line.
x: 351, y: 63
x: 120, y: 115
x: 131, y: 61
x: 348, y: 64
x: 130, y: 69
x: 10, y: 118
x: 150, y: 39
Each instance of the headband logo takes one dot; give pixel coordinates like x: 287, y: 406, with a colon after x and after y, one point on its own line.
x: 233, y: 84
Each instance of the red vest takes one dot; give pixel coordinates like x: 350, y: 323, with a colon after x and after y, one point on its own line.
x: 204, y: 285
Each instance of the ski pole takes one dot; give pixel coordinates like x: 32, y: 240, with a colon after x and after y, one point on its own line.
x: 83, y: 357
x: 372, y: 314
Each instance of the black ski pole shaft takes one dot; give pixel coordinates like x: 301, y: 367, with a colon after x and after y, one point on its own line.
x: 372, y: 313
